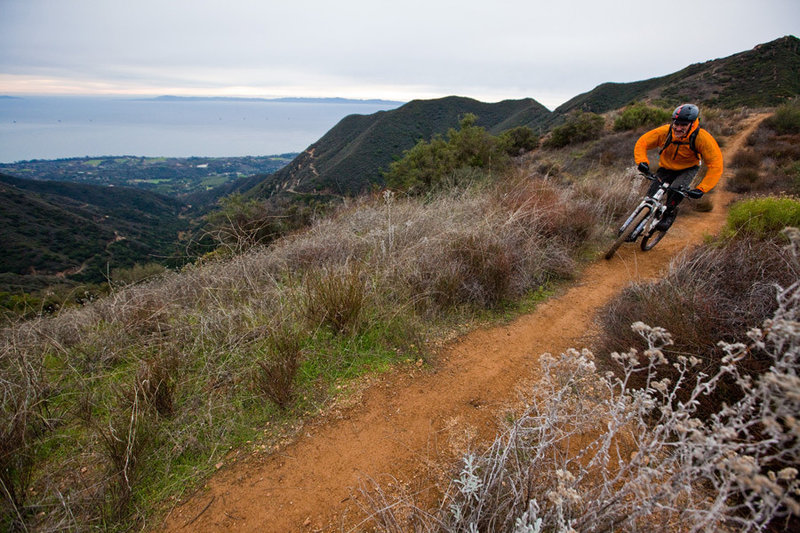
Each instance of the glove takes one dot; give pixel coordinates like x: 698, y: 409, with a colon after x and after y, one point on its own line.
x: 643, y: 167
x: 695, y: 193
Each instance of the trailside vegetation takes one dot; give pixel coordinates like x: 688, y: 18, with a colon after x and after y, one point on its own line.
x: 109, y: 407
x: 579, y: 127
x: 770, y: 163
x: 673, y: 431
x: 641, y: 115
x: 444, y: 162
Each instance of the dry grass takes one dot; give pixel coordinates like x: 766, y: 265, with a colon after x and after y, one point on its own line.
x: 771, y: 162
x: 709, y: 295
x: 109, y: 407
x: 592, y: 452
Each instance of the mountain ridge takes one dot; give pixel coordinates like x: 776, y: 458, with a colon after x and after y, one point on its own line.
x: 350, y: 157
x: 724, y: 82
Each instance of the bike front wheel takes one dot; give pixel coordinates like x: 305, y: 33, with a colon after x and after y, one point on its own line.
x: 640, y: 216
x: 652, y: 238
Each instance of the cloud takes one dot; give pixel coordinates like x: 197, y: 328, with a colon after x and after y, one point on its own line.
x: 503, y: 49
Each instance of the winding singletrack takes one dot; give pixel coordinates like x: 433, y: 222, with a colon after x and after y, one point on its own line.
x: 407, y: 423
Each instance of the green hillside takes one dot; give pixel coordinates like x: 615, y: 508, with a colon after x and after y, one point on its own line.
x: 765, y: 76
x: 350, y: 158
x: 70, y: 232
x: 352, y: 155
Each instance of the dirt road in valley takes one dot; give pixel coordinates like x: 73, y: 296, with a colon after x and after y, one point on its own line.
x: 405, y: 424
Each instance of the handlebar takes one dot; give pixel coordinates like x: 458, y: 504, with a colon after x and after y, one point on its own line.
x: 682, y: 189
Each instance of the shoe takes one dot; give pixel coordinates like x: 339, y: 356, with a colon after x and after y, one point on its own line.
x: 666, y: 220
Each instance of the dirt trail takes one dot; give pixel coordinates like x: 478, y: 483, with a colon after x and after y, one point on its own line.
x: 407, y: 421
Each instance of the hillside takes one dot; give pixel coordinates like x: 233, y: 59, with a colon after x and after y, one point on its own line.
x: 70, y: 232
x: 765, y: 76
x: 171, y: 176
x: 350, y: 157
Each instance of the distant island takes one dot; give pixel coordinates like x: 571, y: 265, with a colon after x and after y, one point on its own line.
x: 171, y: 98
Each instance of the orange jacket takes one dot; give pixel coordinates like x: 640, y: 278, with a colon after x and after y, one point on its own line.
x: 680, y: 156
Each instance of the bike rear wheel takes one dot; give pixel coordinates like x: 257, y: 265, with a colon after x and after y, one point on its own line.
x: 640, y: 216
x: 652, y: 238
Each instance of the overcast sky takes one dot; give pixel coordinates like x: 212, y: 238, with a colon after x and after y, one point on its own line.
x: 489, y: 50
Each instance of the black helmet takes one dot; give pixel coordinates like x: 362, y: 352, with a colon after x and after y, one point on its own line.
x: 685, y: 114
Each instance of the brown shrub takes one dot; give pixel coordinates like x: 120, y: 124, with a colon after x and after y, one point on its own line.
x: 156, y: 383
x: 336, y: 297
x: 483, y: 266
x: 710, y: 295
x: 744, y: 180
x: 125, y: 436
x: 745, y: 159
x: 278, y: 358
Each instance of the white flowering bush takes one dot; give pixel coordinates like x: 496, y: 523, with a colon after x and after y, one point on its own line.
x: 591, y: 452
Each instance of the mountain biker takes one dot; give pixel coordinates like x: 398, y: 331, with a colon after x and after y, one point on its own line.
x: 682, y: 145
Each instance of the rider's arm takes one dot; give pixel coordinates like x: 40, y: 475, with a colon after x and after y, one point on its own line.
x: 712, y: 159
x: 652, y: 139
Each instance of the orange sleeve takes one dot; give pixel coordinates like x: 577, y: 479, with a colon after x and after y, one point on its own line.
x: 652, y: 139
x: 712, y: 159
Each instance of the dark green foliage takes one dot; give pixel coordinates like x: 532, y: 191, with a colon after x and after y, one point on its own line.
x: 518, y: 140
x: 429, y: 165
x: 579, y: 127
x: 136, y: 273
x: 240, y: 224
x: 641, y: 115
x: 80, y: 232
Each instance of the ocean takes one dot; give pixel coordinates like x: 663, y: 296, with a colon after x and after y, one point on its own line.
x: 65, y: 127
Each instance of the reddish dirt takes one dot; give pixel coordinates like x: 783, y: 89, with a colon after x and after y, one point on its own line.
x: 402, y: 425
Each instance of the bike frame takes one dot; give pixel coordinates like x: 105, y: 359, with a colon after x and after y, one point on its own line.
x: 657, y: 208
x: 646, y: 225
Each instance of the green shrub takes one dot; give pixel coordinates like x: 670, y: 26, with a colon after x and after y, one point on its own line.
x: 336, y: 298
x: 136, y: 273
x: 786, y: 119
x: 641, y: 115
x: 429, y: 165
x: 518, y: 140
x: 763, y: 218
x: 579, y: 127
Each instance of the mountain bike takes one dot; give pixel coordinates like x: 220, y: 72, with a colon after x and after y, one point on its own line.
x: 645, y: 218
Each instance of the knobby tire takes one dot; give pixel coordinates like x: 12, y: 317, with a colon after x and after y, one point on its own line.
x: 643, y: 213
x: 651, y: 239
